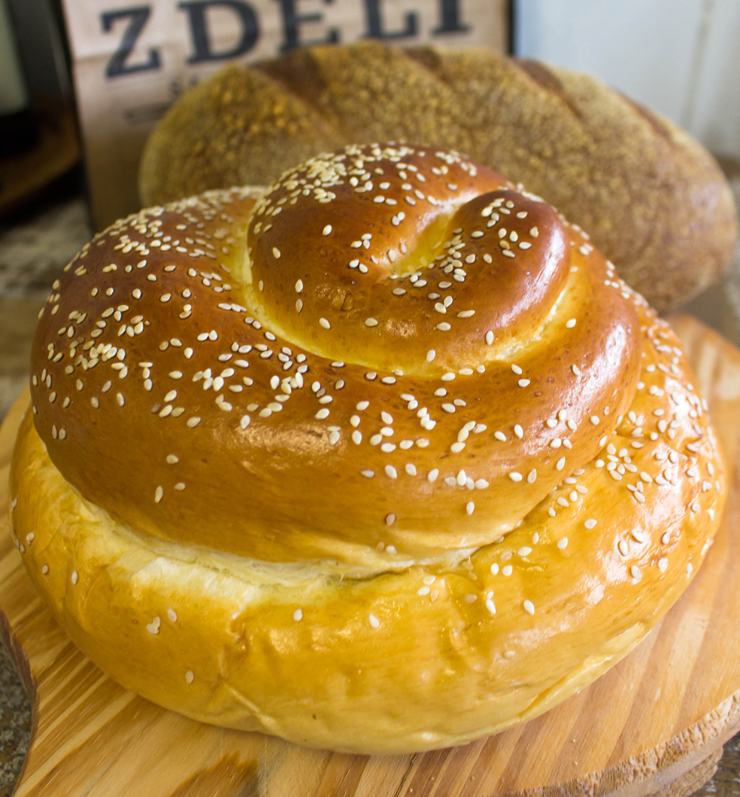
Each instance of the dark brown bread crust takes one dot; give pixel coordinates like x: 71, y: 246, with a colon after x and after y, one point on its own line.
x: 652, y: 198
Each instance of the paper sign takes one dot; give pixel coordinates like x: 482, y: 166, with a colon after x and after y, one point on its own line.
x: 131, y: 60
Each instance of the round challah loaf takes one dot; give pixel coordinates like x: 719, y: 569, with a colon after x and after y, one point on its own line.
x: 652, y: 198
x: 381, y: 458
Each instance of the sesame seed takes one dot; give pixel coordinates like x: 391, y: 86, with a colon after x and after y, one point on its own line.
x: 324, y: 323
x: 470, y: 507
x: 193, y: 422
x: 327, y: 230
x: 563, y: 543
x: 528, y: 607
x: 299, y: 286
x: 391, y: 472
x: 570, y: 323
x: 371, y: 322
x: 158, y: 493
x: 390, y: 519
x: 635, y: 572
x: 275, y: 253
x: 589, y: 524
x: 523, y: 382
x: 374, y: 622
x: 298, y: 615
x: 515, y: 477
x: 189, y: 676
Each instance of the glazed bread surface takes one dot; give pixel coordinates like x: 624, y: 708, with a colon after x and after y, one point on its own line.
x: 382, y: 458
x: 652, y: 198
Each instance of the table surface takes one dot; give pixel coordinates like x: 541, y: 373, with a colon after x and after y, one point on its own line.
x: 34, y: 248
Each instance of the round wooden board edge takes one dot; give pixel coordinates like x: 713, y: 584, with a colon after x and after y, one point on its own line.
x: 675, y: 768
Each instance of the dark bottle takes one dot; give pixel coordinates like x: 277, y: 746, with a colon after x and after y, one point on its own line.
x: 17, y: 124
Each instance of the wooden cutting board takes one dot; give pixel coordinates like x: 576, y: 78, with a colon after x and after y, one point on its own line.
x: 653, y: 724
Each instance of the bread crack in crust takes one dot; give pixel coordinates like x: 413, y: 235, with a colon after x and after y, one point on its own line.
x: 381, y: 458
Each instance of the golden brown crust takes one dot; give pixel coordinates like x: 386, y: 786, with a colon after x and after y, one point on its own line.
x: 476, y: 303
x: 653, y: 200
x: 375, y: 560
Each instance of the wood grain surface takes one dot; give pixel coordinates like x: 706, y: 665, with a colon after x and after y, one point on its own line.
x: 654, y: 724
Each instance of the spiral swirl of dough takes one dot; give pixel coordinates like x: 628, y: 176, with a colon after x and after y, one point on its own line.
x: 427, y: 352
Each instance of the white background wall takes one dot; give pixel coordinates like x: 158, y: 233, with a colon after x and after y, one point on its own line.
x: 679, y: 57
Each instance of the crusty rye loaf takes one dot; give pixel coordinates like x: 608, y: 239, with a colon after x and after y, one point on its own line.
x: 650, y: 196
